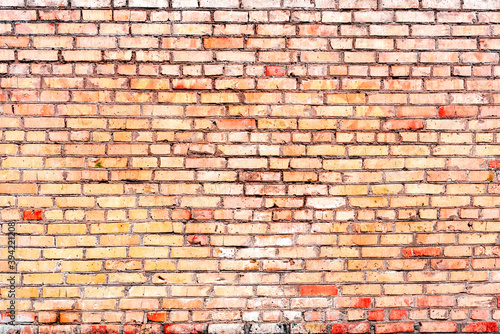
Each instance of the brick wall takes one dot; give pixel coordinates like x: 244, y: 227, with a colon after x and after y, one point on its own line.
x: 251, y: 166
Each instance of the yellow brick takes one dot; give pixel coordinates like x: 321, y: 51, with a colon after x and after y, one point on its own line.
x: 368, y: 150
x: 22, y: 162
x: 424, y: 188
x: 410, y: 150
x: 466, y: 189
x: 317, y: 124
x: 387, y: 189
x: 60, y: 189
x: 106, y: 253
x: 43, y: 279
x: 104, y: 292
x: 277, y: 124
x: 325, y: 150
x: 85, y: 279
x: 409, y: 201
x: 344, y: 190
x: 450, y: 201
x: 61, y: 253
x: 190, y: 291
x: 116, y: 202
x: 103, y: 228
x: 60, y: 292
x: 76, y: 202
x: 153, y: 227
x: 37, y: 266
x: 149, y: 252
x: 369, y: 202
x: 35, y: 201
x: 164, y: 265
x: 102, y: 189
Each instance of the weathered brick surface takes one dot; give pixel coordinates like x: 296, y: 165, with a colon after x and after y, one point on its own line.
x: 253, y: 166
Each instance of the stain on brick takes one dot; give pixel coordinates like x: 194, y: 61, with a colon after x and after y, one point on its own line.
x: 275, y: 71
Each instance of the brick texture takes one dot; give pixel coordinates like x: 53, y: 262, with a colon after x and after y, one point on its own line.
x: 251, y: 167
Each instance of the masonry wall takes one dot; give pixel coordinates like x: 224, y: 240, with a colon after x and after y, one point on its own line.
x: 250, y: 166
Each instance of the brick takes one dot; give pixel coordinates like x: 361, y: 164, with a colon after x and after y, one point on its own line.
x: 191, y: 84
x: 149, y: 3
x: 89, y: 55
x: 399, y: 4
x: 402, y: 327
x: 350, y: 328
x: 223, y: 43
x: 33, y: 215
x: 480, y: 327
x: 96, y: 4
x: 234, y: 124
x: 318, y: 290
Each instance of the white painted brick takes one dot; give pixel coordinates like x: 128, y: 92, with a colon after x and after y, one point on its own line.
x: 11, y: 3
x: 220, y: 3
x: 482, y: 4
x: 149, y: 3
x: 226, y: 329
x: 91, y: 3
x: 298, y: 3
x: 48, y: 3
x: 261, y: 3
x: 325, y: 202
x: 327, y: 4
x: 184, y: 3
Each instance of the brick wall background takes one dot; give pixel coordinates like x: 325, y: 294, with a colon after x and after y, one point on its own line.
x: 251, y: 166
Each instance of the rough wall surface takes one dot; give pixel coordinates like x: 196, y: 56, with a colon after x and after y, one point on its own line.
x: 250, y: 166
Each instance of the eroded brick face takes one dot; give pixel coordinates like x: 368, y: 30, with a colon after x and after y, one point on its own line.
x: 295, y: 166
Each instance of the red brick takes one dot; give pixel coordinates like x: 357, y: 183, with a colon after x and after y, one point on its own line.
x: 457, y: 111
x: 398, y: 315
x: 202, y: 214
x: 404, y: 124
x: 318, y: 290
x: 275, y: 71
x: 100, y: 329
x: 33, y: 215
x: 435, y: 301
x: 191, y: 84
x: 481, y: 327
x: 376, y: 315
x: 494, y: 164
x: 181, y: 214
x: 157, y: 316
x: 201, y: 240
x: 424, y: 251
x: 350, y: 328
